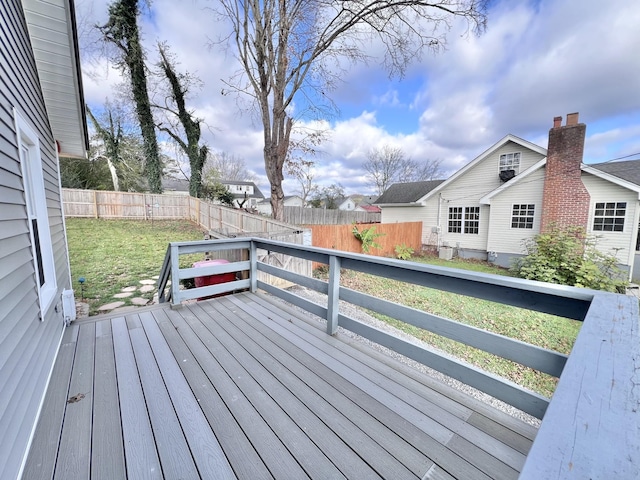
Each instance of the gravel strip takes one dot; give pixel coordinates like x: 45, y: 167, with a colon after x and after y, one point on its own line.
x: 359, y: 314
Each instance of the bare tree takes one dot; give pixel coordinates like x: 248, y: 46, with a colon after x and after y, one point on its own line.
x: 174, y: 104
x: 115, y: 144
x: 305, y: 174
x: 122, y: 31
x: 388, y: 165
x: 226, y: 166
x: 293, y: 49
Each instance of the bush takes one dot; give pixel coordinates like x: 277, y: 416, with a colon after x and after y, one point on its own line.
x: 569, y: 257
x: 403, y: 252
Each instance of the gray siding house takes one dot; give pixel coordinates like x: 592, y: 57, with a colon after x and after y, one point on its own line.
x: 41, y: 117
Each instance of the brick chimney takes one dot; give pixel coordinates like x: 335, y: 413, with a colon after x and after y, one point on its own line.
x: 566, y: 200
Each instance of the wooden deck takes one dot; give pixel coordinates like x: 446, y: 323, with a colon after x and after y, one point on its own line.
x: 243, y: 387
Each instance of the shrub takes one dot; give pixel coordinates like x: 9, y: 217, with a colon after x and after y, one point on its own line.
x: 403, y: 252
x: 367, y: 236
x: 568, y: 256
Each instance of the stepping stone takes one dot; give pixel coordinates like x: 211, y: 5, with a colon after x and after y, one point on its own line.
x: 156, y: 277
x: 123, y: 295
x: 147, y: 288
x: 129, y: 289
x: 110, y: 306
x: 148, y: 282
x: 123, y: 309
x: 139, y: 301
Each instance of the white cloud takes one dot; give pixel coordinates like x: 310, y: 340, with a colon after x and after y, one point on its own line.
x: 537, y: 60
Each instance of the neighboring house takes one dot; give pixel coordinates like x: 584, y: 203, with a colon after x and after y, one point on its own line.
x: 514, y: 189
x: 264, y: 206
x: 246, y: 194
x: 41, y: 117
x: 347, y: 203
x: 366, y: 204
x: 175, y: 186
x: 368, y: 208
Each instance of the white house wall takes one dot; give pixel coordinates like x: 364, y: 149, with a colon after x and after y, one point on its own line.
x: 624, y: 242
x: 502, y: 237
x: 466, y: 191
x: 407, y: 214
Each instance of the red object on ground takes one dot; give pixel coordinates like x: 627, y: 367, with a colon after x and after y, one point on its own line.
x: 213, y: 279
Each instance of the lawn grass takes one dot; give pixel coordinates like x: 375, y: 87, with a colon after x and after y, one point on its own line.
x: 114, y: 254
x: 536, y: 328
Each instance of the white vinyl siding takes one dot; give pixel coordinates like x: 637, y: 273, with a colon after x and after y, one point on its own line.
x: 620, y: 243
x: 28, y: 346
x: 468, y: 189
x: 503, y: 238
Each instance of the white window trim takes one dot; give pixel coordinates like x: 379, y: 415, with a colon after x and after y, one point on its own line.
x: 32, y: 173
x: 464, y: 220
x: 614, y: 217
x: 517, y: 170
x: 534, y: 217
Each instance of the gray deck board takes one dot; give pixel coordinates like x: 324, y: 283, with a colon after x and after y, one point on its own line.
x: 481, y: 449
x: 331, y: 430
x: 175, y: 457
x: 385, y: 451
x: 140, y: 450
x: 74, y: 456
x: 41, y: 462
x: 240, y: 387
x: 107, y: 450
x: 272, y: 451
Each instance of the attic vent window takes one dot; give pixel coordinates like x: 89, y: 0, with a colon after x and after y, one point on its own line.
x: 510, y: 161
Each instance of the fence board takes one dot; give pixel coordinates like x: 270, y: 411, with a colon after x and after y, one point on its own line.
x: 323, y: 216
x: 340, y: 237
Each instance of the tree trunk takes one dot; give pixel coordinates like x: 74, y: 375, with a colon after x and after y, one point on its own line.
x: 114, y: 175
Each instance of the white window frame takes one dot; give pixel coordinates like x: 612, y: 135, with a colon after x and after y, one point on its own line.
x: 460, y: 218
x: 520, y: 215
x: 611, y: 213
x: 36, y: 205
x: 507, y: 161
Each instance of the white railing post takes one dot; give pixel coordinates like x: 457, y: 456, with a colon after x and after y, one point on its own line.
x: 333, y: 308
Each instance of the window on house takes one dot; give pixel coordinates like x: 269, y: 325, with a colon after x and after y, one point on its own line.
x: 510, y: 161
x: 609, y: 216
x: 37, y: 215
x: 464, y: 220
x: 522, y: 215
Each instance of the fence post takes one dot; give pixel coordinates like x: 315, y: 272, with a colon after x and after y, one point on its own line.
x: 333, y: 308
x: 95, y: 204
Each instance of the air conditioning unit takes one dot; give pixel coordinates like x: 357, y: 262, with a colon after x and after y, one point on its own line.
x: 506, y: 175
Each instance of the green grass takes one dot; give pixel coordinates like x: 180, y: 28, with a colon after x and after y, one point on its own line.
x: 539, y: 329
x: 113, y: 254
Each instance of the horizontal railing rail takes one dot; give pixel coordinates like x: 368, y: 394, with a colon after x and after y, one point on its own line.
x: 598, y: 386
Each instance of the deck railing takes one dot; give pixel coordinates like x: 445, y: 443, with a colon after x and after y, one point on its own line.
x: 599, y: 385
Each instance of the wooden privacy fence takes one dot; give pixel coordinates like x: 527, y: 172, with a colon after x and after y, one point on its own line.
x: 139, y: 206
x: 322, y: 216
x: 340, y: 237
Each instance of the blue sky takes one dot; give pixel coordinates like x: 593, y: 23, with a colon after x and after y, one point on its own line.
x: 537, y: 60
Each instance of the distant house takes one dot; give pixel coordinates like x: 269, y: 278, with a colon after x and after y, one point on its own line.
x: 264, y: 206
x: 347, y: 203
x: 366, y: 204
x: 175, y: 186
x: 41, y: 117
x: 516, y: 188
x: 246, y: 194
